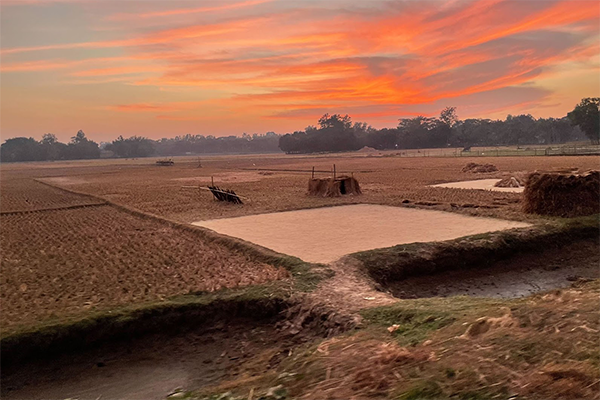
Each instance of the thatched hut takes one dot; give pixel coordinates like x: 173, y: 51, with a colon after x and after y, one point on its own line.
x: 562, y: 195
x: 333, y: 187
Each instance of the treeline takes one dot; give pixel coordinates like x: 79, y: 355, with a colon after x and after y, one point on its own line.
x: 199, y: 144
x: 49, y: 148
x: 339, y: 133
x: 333, y: 133
x: 29, y: 149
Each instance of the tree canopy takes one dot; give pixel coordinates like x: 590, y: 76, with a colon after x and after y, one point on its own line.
x: 586, y: 115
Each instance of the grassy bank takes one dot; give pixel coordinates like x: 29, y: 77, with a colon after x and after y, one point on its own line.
x: 477, y: 251
x: 540, y: 347
x: 174, y: 315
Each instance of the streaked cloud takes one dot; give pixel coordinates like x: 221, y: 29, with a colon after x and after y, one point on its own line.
x: 277, y: 65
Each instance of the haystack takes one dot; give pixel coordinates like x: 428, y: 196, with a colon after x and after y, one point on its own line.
x: 479, y: 168
x: 562, y: 195
x: 330, y: 187
x: 512, y: 181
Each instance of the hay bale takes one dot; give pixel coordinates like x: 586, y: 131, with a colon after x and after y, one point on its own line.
x: 512, y: 181
x: 562, y: 195
x: 329, y: 187
x: 479, y: 168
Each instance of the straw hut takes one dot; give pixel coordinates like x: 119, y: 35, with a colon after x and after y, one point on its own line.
x: 562, y: 195
x: 333, y: 187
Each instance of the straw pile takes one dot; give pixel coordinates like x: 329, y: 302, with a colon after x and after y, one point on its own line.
x: 562, y: 195
x: 329, y: 187
x: 479, y: 168
x: 512, y: 181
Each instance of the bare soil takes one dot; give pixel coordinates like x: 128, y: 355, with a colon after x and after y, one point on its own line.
x: 325, y: 234
x: 157, y: 190
x: 481, y: 184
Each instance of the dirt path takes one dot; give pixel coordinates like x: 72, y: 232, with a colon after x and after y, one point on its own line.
x: 349, y: 290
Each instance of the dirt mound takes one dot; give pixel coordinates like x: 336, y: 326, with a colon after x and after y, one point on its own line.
x: 479, y: 168
x: 562, y: 195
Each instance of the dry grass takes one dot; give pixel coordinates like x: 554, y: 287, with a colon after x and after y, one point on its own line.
x: 541, y: 347
x: 25, y: 195
x: 65, y: 262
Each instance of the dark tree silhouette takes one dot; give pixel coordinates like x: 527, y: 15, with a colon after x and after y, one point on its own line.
x: 586, y: 115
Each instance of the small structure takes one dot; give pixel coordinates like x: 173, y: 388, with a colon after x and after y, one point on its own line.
x: 333, y: 186
x: 562, y: 195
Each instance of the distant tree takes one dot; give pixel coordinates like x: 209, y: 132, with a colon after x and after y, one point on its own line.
x: 82, y: 148
x: 51, y: 147
x: 21, y: 149
x: 49, y: 138
x: 79, y: 137
x: 448, y: 116
x: 586, y: 115
x: 135, y: 146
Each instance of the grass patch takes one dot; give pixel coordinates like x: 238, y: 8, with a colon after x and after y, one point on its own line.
x: 413, y: 325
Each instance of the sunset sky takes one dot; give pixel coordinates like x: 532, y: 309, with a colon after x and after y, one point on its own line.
x: 165, y: 68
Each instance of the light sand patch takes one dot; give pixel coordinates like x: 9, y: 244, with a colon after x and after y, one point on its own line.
x: 480, y: 184
x: 65, y: 180
x: 326, y: 234
x: 228, y: 177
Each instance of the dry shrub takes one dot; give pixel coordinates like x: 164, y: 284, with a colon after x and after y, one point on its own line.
x: 358, y: 369
x: 562, y: 195
x: 329, y: 187
x: 479, y: 168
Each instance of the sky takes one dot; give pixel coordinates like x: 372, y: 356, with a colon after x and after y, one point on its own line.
x: 165, y: 68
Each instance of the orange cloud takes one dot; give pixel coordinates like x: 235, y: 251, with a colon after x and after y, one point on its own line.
x: 187, y: 11
x: 295, y: 61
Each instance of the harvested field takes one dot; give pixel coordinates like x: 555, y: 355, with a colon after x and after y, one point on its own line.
x: 325, y: 234
x: 67, y: 262
x: 26, y: 195
x: 481, y: 184
x: 141, y: 185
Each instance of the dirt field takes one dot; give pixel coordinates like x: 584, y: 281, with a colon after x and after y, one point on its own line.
x: 279, y: 182
x: 65, y: 256
x: 325, y: 234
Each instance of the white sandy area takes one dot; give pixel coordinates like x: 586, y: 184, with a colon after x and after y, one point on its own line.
x: 481, y: 184
x: 325, y: 234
